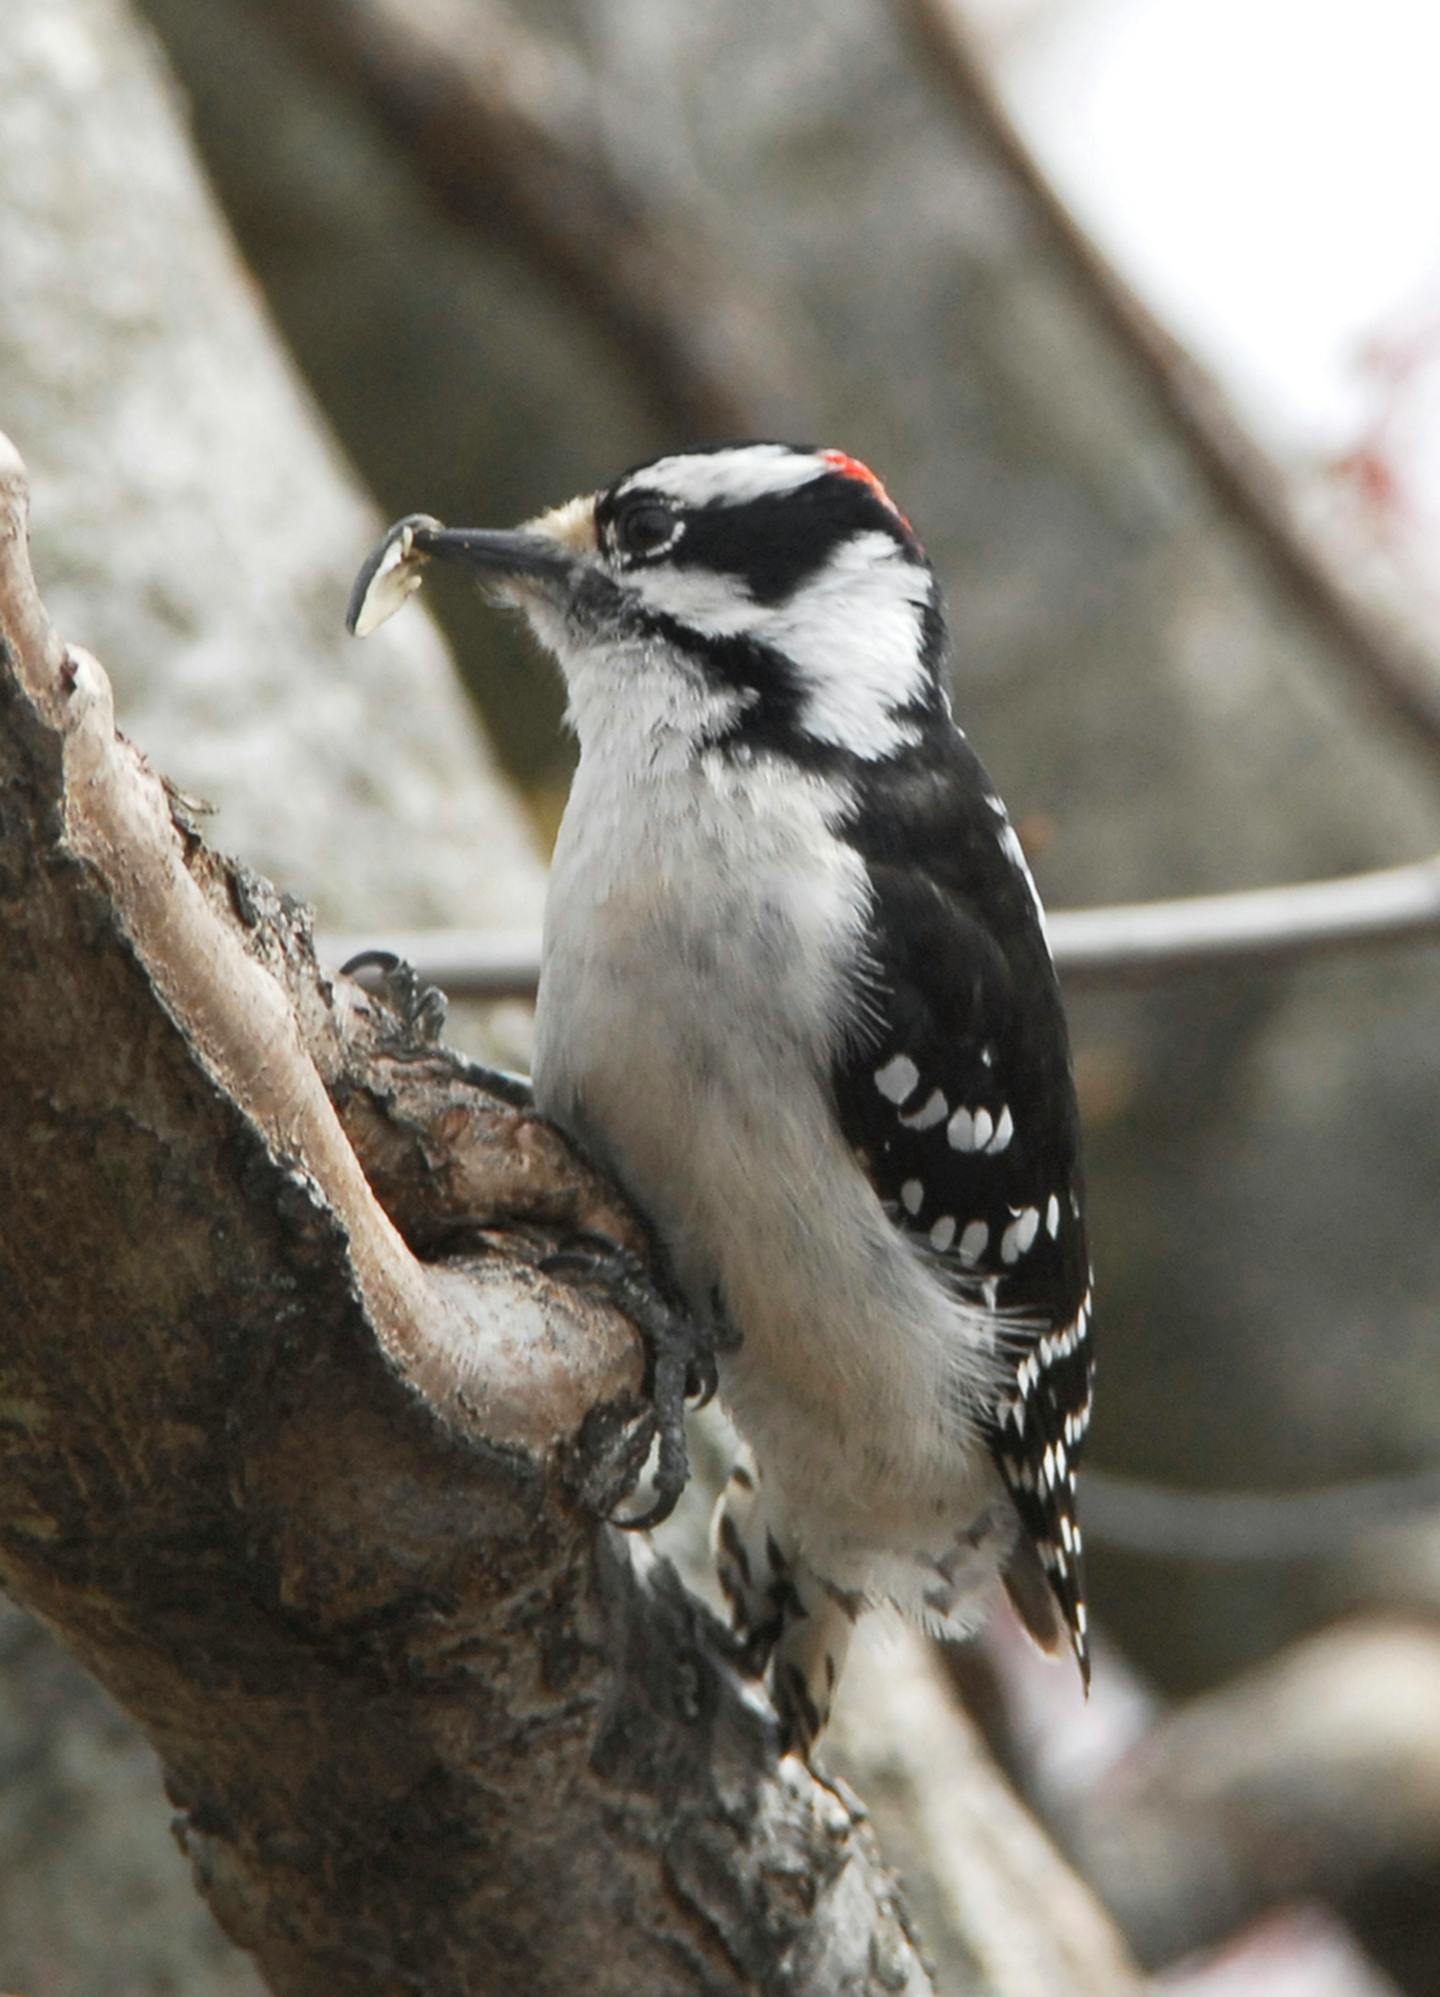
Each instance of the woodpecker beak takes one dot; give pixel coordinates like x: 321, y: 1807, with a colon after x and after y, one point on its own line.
x: 501, y: 553
x: 395, y: 568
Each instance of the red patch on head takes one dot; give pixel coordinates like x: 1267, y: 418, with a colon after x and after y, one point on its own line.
x: 848, y: 467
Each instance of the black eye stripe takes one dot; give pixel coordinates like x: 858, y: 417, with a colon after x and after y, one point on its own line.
x: 775, y: 543
x: 771, y: 542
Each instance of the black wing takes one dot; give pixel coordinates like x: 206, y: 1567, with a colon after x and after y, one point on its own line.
x: 961, y: 1104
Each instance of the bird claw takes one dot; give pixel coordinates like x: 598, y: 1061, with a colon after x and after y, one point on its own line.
x: 421, y: 1007
x: 680, y: 1351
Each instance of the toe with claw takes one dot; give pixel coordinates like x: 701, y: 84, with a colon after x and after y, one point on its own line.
x: 422, y: 1007
x: 680, y: 1349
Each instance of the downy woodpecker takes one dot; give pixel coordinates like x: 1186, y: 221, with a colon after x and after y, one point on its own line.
x: 796, y: 997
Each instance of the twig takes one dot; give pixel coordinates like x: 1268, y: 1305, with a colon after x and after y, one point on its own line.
x: 464, y: 963
x: 1397, y: 673
x: 493, y: 124
x: 1131, y: 942
x: 1140, y: 941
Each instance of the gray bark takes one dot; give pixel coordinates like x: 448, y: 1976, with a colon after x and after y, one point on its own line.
x: 204, y: 535
x: 195, y: 521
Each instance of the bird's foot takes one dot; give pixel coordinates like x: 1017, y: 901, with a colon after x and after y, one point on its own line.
x: 421, y: 1008
x: 680, y: 1352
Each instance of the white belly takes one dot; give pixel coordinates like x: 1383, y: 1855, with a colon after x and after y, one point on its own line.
x: 688, y: 1044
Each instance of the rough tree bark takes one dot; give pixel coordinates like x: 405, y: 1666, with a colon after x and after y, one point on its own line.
x: 307, y: 1457
x: 320, y: 1513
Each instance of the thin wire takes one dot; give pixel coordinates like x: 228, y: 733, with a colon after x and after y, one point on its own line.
x: 1129, y: 943
x: 1164, y: 1523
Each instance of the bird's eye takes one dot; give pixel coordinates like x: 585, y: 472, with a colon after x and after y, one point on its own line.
x: 645, y: 529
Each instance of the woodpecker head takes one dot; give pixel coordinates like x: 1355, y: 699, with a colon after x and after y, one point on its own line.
x: 756, y: 594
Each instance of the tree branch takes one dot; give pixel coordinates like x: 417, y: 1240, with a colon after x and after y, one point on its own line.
x: 320, y: 1513
x: 1141, y: 941
x: 495, y: 125
x: 1395, y: 672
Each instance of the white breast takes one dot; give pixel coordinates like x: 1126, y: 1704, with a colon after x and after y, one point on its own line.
x: 702, y: 960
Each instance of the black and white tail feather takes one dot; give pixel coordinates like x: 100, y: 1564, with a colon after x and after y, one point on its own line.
x: 796, y: 994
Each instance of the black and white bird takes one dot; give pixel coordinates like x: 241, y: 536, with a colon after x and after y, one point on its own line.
x: 796, y: 996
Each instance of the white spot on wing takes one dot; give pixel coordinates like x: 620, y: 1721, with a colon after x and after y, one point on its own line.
x: 973, y: 1241
x: 932, y: 1111
x: 942, y: 1234
x: 1052, y: 1216
x: 961, y: 1130
x: 912, y: 1195
x: 1020, y: 1234
x: 1004, y: 1131
x: 898, y: 1079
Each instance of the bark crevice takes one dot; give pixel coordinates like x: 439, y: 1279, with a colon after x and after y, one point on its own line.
x: 307, y: 1457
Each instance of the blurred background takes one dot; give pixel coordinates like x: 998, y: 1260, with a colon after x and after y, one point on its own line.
x: 265, y: 269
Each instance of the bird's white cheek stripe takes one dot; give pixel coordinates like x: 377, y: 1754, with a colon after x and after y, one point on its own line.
x: 853, y: 634
x: 707, y: 601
